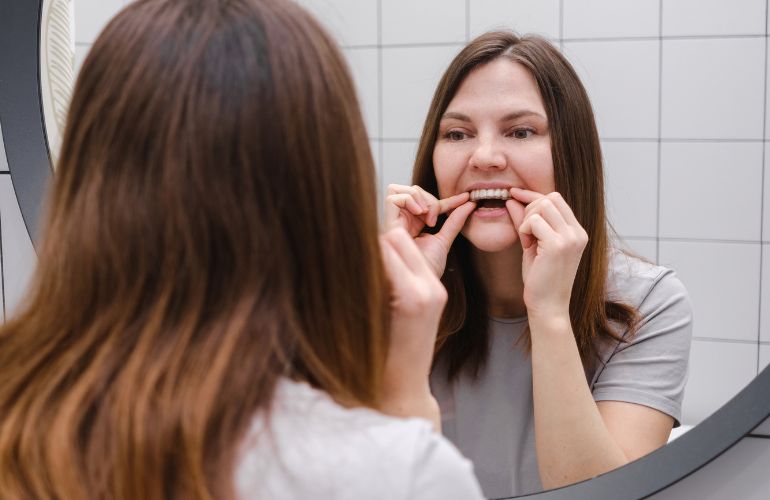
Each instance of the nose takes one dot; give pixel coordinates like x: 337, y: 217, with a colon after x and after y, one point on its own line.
x: 488, y: 155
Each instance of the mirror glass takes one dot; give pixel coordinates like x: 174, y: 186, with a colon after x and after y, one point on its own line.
x: 680, y: 97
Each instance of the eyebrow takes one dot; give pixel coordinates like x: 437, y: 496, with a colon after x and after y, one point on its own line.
x: 510, y: 116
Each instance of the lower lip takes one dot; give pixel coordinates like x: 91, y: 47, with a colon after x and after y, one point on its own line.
x: 488, y: 213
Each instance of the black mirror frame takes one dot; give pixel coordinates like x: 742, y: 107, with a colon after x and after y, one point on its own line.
x: 23, y: 128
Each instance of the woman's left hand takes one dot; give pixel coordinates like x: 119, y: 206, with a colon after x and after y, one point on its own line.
x: 553, y: 242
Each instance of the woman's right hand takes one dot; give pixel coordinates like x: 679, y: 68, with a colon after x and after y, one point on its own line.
x: 413, y: 208
x: 416, y: 303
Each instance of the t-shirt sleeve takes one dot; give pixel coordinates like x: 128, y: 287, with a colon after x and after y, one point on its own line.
x: 651, y: 368
x: 442, y: 473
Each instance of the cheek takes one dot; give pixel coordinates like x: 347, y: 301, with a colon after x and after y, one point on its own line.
x: 446, y: 171
x: 537, y: 171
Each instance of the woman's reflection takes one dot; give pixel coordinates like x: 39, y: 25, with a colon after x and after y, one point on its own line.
x: 559, y: 356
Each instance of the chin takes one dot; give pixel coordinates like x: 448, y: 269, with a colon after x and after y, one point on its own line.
x: 491, y: 239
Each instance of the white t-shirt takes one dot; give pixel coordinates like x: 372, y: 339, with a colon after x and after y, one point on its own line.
x: 491, y: 419
x: 310, y: 447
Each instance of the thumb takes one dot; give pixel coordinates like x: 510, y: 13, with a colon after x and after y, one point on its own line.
x: 455, y: 222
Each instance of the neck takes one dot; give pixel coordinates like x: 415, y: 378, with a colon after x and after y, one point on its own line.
x: 500, y: 274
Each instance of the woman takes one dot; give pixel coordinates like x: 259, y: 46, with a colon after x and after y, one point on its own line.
x: 209, y: 316
x: 558, y: 357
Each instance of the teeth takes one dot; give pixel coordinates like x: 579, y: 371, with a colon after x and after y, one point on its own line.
x: 490, y: 194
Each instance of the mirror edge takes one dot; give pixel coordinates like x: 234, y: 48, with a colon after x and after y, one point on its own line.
x: 21, y: 112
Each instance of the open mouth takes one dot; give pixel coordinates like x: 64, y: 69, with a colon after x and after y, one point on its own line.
x: 490, y: 194
x: 490, y: 199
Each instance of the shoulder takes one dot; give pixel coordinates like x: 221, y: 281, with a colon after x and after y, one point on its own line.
x: 311, y: 446
x: 644, y: 285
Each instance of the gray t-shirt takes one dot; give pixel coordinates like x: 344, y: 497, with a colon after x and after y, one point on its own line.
x: 491, y: 420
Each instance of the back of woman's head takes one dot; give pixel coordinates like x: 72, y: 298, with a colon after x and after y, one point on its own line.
x: 212, y: 226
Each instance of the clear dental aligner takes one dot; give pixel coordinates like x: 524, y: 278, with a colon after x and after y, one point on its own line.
x: 490, y: 194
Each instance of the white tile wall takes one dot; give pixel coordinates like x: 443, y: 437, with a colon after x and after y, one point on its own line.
x: 611, y: 18
x: 18, y: 256
x: 765, y: 311
x: 764, y: 356
x: 647, y: 249
x: 353, y: 22
x: 766, y: 197
x: 409, y: 78
x: 711, y: 190
x: 621, y: 78
x: 81, y: 51
x: 522, y: 16
x: 364, y: 65
x: 723, y: 282
x: 713, y: 17
x: 424, y: 21
x: 719, y: 370
x: 92, y: 15
x: 398, y: 160
x: 767, y: 87
x: 374, y: 146
x: 708, y: 92
x: 631, y: 181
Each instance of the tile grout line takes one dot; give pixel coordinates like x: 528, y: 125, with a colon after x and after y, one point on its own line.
x: 660, y: 127
x: 652, y: 38
x: 762, y: 201
x: 728, y: 341
x: 561, y: 40
x: 681, y: 140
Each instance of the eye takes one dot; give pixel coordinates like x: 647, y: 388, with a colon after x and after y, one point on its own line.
x: 455, y: 135
x: 522, y: 133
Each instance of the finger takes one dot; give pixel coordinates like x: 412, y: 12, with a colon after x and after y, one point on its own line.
x: 398, y: 189
x: 407, y: 250
x: 412, y: 190
x: 406, y: 201
x: 443, y: 206
x: 566, y: 211
x: 431, y: 204
x: 525, y: 195
x: 538, y: 227
x: 453, y: 202
x: 517, y: 211
x: 551, y: 214
x: 455, y: 222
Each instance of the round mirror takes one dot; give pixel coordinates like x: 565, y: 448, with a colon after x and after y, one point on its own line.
x: 36, y: 73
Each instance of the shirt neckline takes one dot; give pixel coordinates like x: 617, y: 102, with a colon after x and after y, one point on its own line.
x: 508, y: 321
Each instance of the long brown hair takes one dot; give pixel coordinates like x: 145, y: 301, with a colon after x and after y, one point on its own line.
x: 211, y: 216
x: 463, y: 337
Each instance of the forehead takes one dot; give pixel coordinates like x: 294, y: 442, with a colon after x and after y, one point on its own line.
x: 500, y: 83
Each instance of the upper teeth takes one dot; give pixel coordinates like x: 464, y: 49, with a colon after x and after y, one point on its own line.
x: 490, y: 194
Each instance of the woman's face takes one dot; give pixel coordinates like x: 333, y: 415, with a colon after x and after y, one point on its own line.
x: 494, y: 135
